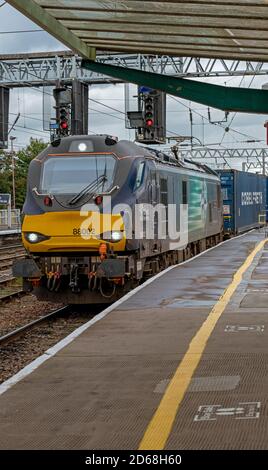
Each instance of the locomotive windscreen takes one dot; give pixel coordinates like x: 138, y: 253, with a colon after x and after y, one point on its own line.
x: 69, y: 175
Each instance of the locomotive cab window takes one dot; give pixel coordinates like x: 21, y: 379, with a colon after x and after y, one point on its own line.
x: 140, y: 175
x: 69, y: 175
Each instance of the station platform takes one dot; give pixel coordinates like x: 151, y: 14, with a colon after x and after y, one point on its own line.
x: 180, y: 364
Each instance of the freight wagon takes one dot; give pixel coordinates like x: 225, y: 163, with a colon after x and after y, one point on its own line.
x: 244, y: 200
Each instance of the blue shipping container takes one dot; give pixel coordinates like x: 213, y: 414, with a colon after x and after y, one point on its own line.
x: 244, y: 200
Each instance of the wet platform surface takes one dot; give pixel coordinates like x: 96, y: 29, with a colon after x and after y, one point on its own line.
x: 102, y: 390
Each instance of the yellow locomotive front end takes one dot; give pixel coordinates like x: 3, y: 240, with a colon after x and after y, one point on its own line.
x: 72, y: 231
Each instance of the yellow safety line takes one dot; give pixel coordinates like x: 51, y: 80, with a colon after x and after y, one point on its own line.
x: 160, y: 426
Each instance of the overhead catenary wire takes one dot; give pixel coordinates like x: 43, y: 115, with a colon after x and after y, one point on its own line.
x: 37, y: 132
x: 233, y: 117
x: 107, y: 114
x: 214, y: 123
x: 193, y: 110
x: 122, y: 112
x: 50, y: 94
x: 22, y: 31
x: 107, y: 106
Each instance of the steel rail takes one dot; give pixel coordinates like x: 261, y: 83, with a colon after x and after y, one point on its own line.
x: 15, y: 334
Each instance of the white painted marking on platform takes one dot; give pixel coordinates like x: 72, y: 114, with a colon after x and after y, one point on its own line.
x: 258, y: 290
x: 244, y: 410
x: 237, y: 328
x: 253, y: 410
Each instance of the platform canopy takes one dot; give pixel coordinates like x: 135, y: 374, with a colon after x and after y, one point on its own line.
x: 231, y: 29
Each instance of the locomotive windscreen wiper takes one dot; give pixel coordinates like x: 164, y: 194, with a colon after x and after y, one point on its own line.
x: 90, y: 188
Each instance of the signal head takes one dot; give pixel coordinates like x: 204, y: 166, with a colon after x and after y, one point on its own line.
x: 64, y: 117
x: 148, y: 111
x: 63, y: 113
x: 64, y: 125
x: 148, y: 100
x: 149, y: 122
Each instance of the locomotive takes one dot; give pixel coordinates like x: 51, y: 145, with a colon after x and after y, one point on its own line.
x: 83, y: 244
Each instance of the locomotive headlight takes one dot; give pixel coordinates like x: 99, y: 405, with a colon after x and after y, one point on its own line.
x: 82, y: 147
x: 34, y: 237
x: 116, y: 236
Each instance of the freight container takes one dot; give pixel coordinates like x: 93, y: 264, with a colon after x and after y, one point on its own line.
x: 244, y: 200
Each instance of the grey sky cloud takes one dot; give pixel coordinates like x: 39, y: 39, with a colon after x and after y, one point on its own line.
x: 11, y: 20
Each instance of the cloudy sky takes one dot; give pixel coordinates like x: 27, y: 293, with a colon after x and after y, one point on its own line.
x: 28, y: 101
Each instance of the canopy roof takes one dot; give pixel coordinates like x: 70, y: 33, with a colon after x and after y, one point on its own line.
x: 235, y: 29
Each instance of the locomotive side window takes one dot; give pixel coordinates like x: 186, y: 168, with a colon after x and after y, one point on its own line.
x: 164, y: 201
x: 218, y: 196
x: 153, y: 186
x: 164, y: 191
x: 212, y: 201
x: 184, y: 193
x: 176, y: 186
x: 140, y: 175
x: 210, y: 211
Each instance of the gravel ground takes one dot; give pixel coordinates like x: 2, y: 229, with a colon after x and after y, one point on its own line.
x: 16, y: 355
x: 8, y: 289
x: 19, y: 311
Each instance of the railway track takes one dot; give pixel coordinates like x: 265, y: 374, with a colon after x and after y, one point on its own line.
x: 10, y: 253
x: 10, y: 294
x: 16, y: 246
x: 6, y: 261
x: 10, y: 250
x: 9, y: 288
x: 19, y: 332
x: 6, y: 278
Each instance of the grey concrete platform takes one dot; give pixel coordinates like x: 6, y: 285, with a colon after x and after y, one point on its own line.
x: 9, y: 231
x: 101, y: 391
